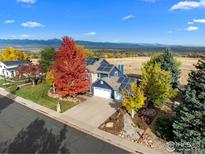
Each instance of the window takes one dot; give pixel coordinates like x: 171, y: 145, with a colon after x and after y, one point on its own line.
x: 116, y: 73
x: 101, y: 82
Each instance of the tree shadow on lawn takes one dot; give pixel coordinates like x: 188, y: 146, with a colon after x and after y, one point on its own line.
x: 36, y: 138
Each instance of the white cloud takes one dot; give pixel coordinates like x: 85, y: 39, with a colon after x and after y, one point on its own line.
x: 24, y: 36
x: 32, y: 24
x: 128, y: 17
x: 91, y: 33
x: 9, y: 21
x: 199, y: 21
x: 191, y: 28
x: 27, y: 1
x: 185, y: 5
x: 190, y: 23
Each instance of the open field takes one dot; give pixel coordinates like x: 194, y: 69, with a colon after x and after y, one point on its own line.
x: 133, y: 65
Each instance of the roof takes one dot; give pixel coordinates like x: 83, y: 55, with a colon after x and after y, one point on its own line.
x: 119, y: 83
x: 91, y: 61
x: 99, y: 65
x: 19, y: 62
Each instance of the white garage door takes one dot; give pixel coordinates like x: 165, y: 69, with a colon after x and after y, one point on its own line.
x: 100, y: 92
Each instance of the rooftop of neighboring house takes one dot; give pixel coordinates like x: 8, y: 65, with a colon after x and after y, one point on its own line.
x: 14, y: 63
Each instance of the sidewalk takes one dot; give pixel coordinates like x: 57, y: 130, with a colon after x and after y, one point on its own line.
x: 91, y: 130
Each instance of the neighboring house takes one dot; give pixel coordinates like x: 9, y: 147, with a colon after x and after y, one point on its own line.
x: 107, y: 80
x: 8, y: 69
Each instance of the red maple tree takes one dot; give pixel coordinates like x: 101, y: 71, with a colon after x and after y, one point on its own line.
x: 69, y: 70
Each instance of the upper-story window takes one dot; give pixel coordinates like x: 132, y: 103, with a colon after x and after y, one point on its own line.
x: 116, y: 73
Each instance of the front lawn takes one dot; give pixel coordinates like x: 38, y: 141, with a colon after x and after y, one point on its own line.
x: 39, y: 95
x: 1, y: 82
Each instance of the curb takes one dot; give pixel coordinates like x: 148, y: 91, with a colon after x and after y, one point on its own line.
x: 99, y: 134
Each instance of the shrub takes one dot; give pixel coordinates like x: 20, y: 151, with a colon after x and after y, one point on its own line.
x: 164, y: 128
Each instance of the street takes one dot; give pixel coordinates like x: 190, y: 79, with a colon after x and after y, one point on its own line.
x: 23, y: 130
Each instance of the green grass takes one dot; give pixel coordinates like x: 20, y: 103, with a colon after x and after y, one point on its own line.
x: 39, y: 95
x: 1, y: 83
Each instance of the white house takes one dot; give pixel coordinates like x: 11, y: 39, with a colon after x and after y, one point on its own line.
x: 8, y: 69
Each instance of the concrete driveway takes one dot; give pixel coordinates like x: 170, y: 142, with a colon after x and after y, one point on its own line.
x: 94, y: 111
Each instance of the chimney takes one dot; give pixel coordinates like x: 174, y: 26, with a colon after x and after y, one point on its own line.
x: 121, y: 67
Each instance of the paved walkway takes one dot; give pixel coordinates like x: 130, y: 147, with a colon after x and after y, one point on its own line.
x: 94, y: 111
x: 83, y: 126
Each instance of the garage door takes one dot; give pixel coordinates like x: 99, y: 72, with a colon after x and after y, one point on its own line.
x: 100, y: 92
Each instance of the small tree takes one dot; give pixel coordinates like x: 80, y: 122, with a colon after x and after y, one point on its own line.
x: 50, y: 79
x: 189, y: 124
x: 133, y: 99
x: 69, y: 70
x: 156, y: 84
x: 29, y: 71
x: 11, y: 54
x: 47, y: 58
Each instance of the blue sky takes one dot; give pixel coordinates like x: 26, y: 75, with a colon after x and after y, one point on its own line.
x: 180, y: 22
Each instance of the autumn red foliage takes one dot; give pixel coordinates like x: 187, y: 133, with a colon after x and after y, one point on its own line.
x: 29, y: 71
x: 69, y: 71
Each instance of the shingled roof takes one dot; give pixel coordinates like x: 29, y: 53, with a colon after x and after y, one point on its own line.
x: 18, y: 62
x: 119, y: 83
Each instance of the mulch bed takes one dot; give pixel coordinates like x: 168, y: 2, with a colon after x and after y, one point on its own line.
x: 118, y: 123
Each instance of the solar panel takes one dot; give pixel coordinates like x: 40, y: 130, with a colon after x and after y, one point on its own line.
x: 90, y: 61
x: 123, y: 86
x: 107, y: 68
x: 101, y: 67
x: 125, y: 80
x: 126, y: 83
x: 120, y: 79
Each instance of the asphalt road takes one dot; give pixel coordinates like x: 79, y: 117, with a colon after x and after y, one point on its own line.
x: 23, y: 130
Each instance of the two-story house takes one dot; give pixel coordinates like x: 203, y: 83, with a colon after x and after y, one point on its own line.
x: 107, y: 80
x: 8, y: 69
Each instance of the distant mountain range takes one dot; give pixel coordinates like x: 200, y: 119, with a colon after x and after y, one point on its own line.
x: 140, y: 47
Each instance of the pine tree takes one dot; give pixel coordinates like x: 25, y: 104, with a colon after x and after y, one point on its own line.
x: 69, y: 70
x: 189, y: 124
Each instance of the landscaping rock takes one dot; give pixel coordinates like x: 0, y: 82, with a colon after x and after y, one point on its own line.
x: 129, y: 130
x: 109, y: 125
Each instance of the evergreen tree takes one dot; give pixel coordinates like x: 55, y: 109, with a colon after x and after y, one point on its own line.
x: 189, y: 124
x: 168, y: 63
